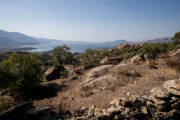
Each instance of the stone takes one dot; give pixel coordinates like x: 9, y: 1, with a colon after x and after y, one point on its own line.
x: 38, y: 110
x: 104, y: 61
x: 159, y: 93
x: 54, y: 72
x: 172, y: 86
x: 176, y: 53
x: 91, y: 111
x: 136, y: 59
x: 112, y: 110
x: 98, y: 111
x: 96, y: 74
x: 144, y: 110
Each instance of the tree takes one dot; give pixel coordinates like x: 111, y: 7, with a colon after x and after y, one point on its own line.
x: 91, y: 57
x: 62, y: 55
x: 176, y: 38
x: 20, y: 72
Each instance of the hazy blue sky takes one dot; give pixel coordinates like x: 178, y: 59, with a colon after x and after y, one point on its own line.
x: 91, y: 20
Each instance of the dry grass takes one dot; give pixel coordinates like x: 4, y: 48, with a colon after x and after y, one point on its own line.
x: 86, y: 91
x: 173, y: 62
x: 5, y: 104
x: 152, y: 64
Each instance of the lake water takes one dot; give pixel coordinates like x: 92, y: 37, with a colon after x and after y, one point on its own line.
x: 75, y: 47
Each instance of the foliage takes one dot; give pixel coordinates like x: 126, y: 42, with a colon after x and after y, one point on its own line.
x: 92, y: 57
x: 62, y: 55
x: 156, y: 48
x: 20, y: 72
x: 176, y: 38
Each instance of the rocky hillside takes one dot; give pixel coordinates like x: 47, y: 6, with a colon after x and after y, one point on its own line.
x: 136, y: 88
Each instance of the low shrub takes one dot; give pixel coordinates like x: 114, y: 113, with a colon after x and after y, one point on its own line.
x: 20, y: 72
x: 92, y: 57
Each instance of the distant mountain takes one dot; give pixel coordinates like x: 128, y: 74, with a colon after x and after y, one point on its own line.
x: 20, y: 39
x: 17, y: 41
x: 160, y: 40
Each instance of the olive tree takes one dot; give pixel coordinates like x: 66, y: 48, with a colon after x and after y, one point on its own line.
x: 20, y: 72
x: 62, y: 55
x: 176, y: 38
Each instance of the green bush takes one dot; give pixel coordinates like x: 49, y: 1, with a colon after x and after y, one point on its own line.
x: 92, y: 57
x: 62, y: 55
x: 176, y: 38
x: 20, y: 72
x: 156, y: 48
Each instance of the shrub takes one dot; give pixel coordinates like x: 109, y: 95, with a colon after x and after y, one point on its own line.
x: 155, y: 48
x: 92, y: 57
x: 176, y: 38
x: 20, y: 72
x: 62, y: 55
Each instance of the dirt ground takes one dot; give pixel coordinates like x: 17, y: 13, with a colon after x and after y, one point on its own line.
x: 70, y: 96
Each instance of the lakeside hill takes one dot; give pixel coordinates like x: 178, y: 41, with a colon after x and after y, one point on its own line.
x: 9, y: 40
x: 14, y: 41
x: 139, y: 87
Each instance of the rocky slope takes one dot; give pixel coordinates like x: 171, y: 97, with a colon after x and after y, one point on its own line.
x: 162, y: 104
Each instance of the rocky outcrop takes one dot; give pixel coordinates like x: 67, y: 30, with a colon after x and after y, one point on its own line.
x: 26, y: 111
x: 176, y: 53
x: 96, y: 74
x: 136, y: 59
x: 111, y: 60
x: 55, y: 72
x: 162, y: 104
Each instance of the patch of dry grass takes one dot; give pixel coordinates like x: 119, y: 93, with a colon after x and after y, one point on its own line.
x: 152, y: 64
x: 86, y: 91
x: 5, y: 104
x: 173, y: 62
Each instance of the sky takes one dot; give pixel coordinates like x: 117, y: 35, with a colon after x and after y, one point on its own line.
x: 91, y: 20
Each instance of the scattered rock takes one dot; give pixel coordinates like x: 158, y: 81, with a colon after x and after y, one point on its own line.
x: 163, y: 104
x: 172, y: 86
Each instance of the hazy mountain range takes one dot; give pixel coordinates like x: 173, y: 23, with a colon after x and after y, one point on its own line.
x: 14, y: 40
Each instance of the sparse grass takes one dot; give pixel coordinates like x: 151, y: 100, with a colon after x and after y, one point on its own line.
x: 5, y: 104
x: 152, y: 64
x: 128, y: 73
x: 86, y: 91
x: 174, y: 62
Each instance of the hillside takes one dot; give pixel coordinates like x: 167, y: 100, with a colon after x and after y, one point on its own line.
x: 130, y: 85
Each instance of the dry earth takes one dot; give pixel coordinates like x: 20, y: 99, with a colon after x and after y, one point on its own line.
x: 98, y: 86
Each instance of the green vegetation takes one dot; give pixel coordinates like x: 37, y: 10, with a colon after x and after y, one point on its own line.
x: 20, y: 72
x: 176, y: 38
x: 155, y: 48
x: 5, y: 104
x: 92, y: 57
x: 62, y: 55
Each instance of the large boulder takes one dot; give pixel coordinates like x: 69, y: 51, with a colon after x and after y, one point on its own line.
x: 172, y: 86
x: 176, y: 53
x: 96, y: 74
x: 136, y: 59
x: 104, y: 61
x: 55, y: 72
x: 111, y: 60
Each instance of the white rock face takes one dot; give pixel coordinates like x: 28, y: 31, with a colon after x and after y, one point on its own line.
x: 176, y: 53
x: 136, y: 59
x: 96, y: 74
x: 172, y: 86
